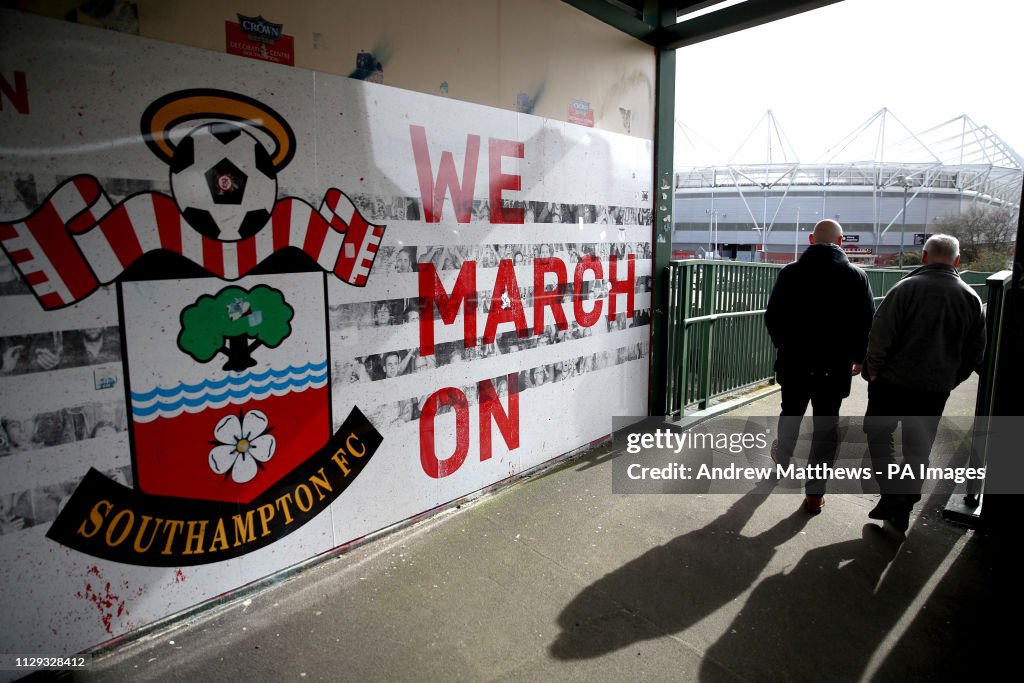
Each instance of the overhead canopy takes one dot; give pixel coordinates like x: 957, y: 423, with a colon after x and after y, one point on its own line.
x: 672, y: 24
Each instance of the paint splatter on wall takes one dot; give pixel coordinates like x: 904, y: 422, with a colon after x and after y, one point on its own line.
x: 98, y: 592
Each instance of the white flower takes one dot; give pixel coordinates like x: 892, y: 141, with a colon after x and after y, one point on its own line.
x: 242, y: 446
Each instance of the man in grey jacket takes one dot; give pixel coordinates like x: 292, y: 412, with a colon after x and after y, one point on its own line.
x: 927, y: 336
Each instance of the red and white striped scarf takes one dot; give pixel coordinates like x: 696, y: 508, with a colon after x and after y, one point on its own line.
x: 77, y: 240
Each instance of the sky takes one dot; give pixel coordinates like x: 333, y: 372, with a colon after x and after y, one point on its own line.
x: 825, y: 72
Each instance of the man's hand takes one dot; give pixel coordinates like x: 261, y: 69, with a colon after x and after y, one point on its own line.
x: 47, y: 359
x: 9, y: 362
x: 855, y: 370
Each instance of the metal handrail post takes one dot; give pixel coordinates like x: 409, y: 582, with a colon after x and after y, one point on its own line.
x: 709, y: 295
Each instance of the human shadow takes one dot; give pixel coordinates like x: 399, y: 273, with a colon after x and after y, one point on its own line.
x: 827, y: 617
x: 673, y: 586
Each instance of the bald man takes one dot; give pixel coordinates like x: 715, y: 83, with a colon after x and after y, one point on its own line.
x: 818, y: 316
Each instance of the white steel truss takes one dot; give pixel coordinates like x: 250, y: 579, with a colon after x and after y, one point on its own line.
x: 880, y: 154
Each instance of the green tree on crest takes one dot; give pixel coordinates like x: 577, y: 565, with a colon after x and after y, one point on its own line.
x: 225, y: 323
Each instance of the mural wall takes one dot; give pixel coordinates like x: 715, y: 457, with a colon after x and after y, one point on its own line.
x: 252, y: 313
x: 541, y: 57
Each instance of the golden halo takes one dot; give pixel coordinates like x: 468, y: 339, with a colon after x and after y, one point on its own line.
x: 186, y: 105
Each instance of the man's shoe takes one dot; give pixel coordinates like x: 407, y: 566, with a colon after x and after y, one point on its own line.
x: 900, y: 521
x: 882, y: 510
x: 813, y: 504
x: 774, y: 453
x: 899, y: 517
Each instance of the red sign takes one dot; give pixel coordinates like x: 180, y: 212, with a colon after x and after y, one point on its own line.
x: 581, y: 113
x: 281, y: 51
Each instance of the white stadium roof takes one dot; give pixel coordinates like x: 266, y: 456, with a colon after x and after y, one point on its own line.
x: 880, y: 153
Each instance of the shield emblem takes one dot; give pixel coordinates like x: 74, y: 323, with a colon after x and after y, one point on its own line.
x: 228, y: 384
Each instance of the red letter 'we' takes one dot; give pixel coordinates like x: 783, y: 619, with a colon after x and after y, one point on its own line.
x: 432, y: 193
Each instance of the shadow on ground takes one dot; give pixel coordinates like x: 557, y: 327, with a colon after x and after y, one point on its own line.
x: 826, y: 617
x: 666, y: 590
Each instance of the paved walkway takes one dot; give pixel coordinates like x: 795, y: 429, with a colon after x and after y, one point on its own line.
x: 557, y: 578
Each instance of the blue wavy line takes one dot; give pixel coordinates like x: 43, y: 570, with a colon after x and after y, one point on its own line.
x: 239, y: 380
x: 208, y: 398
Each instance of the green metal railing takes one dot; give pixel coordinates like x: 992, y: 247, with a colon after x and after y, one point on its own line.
x: 882, y: 280
x: 997, y: 285
x: 979, y: 281
x: 717, y: 341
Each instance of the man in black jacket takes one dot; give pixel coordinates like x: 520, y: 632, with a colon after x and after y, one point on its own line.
x: 927, y: 337
x: 818, y: 316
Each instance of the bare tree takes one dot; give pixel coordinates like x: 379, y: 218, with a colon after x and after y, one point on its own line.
x: 986, y: 235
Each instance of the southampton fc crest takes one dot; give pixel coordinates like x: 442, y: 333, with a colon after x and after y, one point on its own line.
x: 222, y: 288
x: 233, y: 394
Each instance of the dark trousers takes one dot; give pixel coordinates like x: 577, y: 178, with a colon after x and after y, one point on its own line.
x: 888, y: 405
x: 824, y: 390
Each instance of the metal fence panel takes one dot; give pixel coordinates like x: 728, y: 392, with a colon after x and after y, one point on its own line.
x: 717, y: 339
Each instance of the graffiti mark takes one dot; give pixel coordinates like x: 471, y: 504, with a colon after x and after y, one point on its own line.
x: 527, y: 103
x: 179, y: 576
x: 368, y: 68
x: 627, y: 119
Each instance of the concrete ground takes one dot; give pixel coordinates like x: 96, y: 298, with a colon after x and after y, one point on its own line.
x: 557, y: 578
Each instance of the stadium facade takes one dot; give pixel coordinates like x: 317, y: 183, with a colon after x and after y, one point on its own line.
x: 888, y: 187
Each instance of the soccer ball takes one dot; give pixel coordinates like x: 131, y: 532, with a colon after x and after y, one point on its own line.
x: 223, y: 181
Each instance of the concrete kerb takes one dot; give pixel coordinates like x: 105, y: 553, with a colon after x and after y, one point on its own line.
x: 732, y: 404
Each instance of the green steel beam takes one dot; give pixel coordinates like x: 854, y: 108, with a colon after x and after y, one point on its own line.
x: 999, y: 514
x: 661, y: 237
x: 684, y: 8
x: 1008, y: 399
x: 615, y: 16
x: 655, y: 23
x: 651, y: 12
x: 729, y: 20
